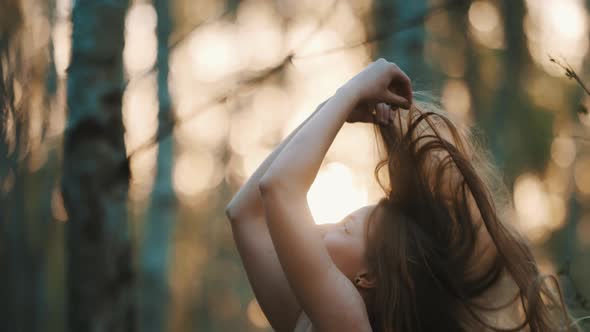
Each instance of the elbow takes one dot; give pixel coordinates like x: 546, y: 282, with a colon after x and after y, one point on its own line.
x: 271, y: 185
x: 235, y: 212
x: 265, y: 186
x: 230, y: 212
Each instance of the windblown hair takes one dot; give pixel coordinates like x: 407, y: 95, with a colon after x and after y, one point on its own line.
x: 440, y: 243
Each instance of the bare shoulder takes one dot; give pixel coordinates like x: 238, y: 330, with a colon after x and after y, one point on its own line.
x: 342, y: 313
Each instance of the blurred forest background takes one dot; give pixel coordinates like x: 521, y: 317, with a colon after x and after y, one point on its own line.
x: 127, y: 125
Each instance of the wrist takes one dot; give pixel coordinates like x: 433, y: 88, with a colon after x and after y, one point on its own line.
x: 350, y: 92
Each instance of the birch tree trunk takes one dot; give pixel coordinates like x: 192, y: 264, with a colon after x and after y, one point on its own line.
x: 154, y: 261
x: 95, y: 179
x: 18, y: 294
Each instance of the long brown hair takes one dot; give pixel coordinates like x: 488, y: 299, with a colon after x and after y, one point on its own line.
x: 430, y: 257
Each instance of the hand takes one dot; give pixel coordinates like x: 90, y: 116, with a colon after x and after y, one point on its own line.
x: 382, y: 82
x: 380, y: 113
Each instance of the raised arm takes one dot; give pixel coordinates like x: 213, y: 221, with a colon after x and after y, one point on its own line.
x: 327, y: 296
x: 246, y: 214
x: 247, y: 201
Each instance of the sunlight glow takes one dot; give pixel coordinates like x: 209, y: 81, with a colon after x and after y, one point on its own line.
x: 558, y: 28
x: 334, y: 194
x: 259, y: 34
x: 355, y: 145
x: 215, y: 52
x: 272, y: 105
x: 141, y: 44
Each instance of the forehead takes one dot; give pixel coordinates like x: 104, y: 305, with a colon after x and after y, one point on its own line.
x: 363, y: 212
x: 361, y: 215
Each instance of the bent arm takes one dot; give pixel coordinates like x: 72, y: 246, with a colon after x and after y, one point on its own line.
x: 326, y: 295
x: 298, y: 164
x: 247, y: 201
x: 258, y: 255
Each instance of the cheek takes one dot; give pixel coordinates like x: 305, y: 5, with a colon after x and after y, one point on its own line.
x: 345, y: 253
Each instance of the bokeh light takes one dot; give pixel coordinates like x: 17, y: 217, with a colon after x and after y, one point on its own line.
x: 484, y: 16
x: 259, y: 34
x: 563, y: 151
x: 558, y: 28
x: 455, y: 97
x: 207, y: 128
x: 485, y: 21
x: 62, y: 42
x: 196, y: 172
x: 141, y: 44
x: 140, y: 115
x: 215, y: 52
x: 532, y: 206
x: 140, y: 112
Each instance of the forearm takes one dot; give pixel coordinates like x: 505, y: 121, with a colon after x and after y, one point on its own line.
x: 247, y: 201
x: 297, y: 165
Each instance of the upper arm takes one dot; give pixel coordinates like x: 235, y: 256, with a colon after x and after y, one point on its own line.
x: 265, y: 274
x: 325, y: 294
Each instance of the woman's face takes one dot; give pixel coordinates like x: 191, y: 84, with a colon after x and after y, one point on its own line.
x: 346, y: 241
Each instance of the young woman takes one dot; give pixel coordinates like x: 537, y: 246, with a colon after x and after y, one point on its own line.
x: 432, y: 255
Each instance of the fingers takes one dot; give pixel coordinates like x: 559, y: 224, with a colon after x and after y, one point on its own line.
x: 396, y: 100
x: 401, y: 83
x: 405, y: 87
x: 384, y: 114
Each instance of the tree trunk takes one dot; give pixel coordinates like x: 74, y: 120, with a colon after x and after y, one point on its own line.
x: 161, y: 217
x: 406, y: 47
x: 95, y: 179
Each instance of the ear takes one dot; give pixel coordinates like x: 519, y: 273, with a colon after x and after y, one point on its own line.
x: 364, y: 280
